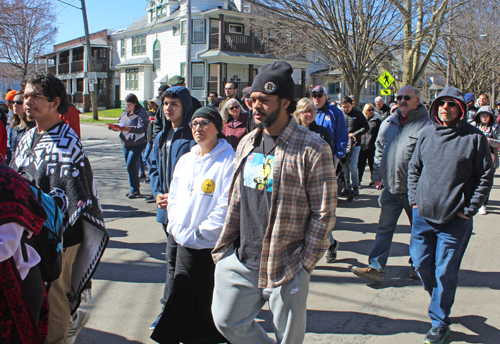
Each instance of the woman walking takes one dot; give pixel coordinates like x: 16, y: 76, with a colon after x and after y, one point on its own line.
x: 132, y: 126
x: 367, y: 144
x: 197, y: 207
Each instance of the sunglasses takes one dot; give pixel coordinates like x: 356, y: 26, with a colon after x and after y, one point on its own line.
x: 234, y: 107
x: 203, y: 124
x: 316, y: 95
x: 406, y: 97
x: 18, y: 102
x: 451, y: 103
x: 371, y: 109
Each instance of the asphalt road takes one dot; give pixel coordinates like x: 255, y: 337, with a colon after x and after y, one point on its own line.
x: 341, y: 307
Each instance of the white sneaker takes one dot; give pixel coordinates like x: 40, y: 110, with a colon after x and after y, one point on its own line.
x: 76, y: 325
x: 482, y: 210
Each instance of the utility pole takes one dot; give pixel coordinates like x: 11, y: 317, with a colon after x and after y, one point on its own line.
x: 448, y: 67
x: 90, y: 61
x: 188, y: 47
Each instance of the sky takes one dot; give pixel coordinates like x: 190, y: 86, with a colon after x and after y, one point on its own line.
x: 101, y: 14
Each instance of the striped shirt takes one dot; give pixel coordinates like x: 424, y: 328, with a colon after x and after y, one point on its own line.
x: 303, y: 203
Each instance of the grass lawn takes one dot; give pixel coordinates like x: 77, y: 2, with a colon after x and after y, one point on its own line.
x: 112, y: 113
x: 90, y: 120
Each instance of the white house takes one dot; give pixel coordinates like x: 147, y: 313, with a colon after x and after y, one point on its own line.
x: 153, y: 49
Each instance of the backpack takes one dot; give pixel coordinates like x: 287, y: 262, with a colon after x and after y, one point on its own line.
x: 48, y: 243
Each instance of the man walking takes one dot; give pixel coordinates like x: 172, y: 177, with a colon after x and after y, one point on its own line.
x: 230, y: 90
x: 450, y: 175
x: 382, y: 108
x: 281, y: 208
x: 52, y: 155
x: 394, y: 147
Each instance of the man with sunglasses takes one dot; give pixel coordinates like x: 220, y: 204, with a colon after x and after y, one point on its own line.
x: 449, y: 177
x: 175, y: 140
x: 394, y: 147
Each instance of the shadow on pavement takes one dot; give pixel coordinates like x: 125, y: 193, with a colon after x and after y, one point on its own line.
x: 476, y: 324
x: 131, y: 272
x: 114, y: 211
x: 89, y: 335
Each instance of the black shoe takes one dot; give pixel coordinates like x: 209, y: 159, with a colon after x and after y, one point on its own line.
x: 356, y: 191
x: 331, y: 253
x: 133, y: 195
x: 126, y: 195
x: 147, y: 181
x: 142, y: 177
x: 150, y: 199
x: 371, y: 183
x: 437, y: 335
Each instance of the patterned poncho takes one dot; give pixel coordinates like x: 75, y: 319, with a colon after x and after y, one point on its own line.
x: 59, y: 166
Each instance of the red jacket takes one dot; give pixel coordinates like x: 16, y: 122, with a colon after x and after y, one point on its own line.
x: 72, y: 118
x: 3, y: 139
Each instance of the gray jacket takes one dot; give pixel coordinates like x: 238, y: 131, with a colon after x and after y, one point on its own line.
x: 394, y: 148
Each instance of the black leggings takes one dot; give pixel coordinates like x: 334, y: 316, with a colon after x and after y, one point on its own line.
x: 34, y: 290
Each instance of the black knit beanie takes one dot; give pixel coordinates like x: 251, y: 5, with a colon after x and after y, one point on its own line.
x: 275, y: 78
x: 210, y: 114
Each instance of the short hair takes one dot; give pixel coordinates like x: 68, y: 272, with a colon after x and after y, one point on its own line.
x: 416, y: 91
x: 346, y: 100
x: 380, y: 99
x: 52, y: 88
x: 235, y: 85
x: 132, y: 98
x: 292, y: 107
x: 301, y: 105
x: 484, y: 94
x: 214, y: 93
x: 162, y: 88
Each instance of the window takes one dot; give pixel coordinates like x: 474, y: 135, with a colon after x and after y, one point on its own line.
x: 183, y: 32
x: 139, y: 45
x: 197, y: 75
x: 183, y: 68
x: 156, y: 55
x: 198, y: 31
x: 131, y: 79
x: 153, y: 15
x: 79, y: 85
x: 176, y: 30
x: 123, y: 46
x: 236, y: 28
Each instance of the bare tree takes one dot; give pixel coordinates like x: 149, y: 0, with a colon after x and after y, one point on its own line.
x: 354, y: 36
x: 423, y: 22
x: 27, y: 29
x: 473, y: 46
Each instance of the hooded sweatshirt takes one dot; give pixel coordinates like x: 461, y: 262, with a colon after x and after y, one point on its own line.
x: 490, y: 130
x: 161, y: 168
x: 333, y: 119
x: 451, y: 169
x: 198, y: 198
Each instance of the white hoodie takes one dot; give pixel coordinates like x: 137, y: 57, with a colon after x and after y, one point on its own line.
x: 197, y: 201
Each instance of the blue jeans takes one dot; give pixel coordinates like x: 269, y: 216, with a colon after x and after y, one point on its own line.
x: 237, y: 300
x: 146, y: 153
x: 437, y: 251
x: 391, y: 206
x: 352, y: 171
x: 132, y: 154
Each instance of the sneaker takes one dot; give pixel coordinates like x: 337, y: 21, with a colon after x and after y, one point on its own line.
x: 437, y: 335
x: 356, y: 191
x: 132, y: 195
x: 371, y: 183
x: 142, y: 177
x: 331, y: 253
x: 77, y: 324
x: 413, y: 273
x: 368, y: 273
x: 153, y: 325
x: 482, y: 210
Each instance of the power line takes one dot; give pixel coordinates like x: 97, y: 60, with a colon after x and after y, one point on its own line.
x: 69, y: 4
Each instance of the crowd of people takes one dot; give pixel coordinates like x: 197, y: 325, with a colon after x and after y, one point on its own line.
x: 246, y: 193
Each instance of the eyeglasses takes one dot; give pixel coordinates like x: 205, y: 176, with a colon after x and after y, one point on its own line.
x: 234, y: 107
x: 371, y: 110
x: 451, y: 103
x: 203, y: 124
x: 306, y: 112
x: 229, y: 88
x: 316, y: 95
x: 405, y: 97
x: 484, y: 114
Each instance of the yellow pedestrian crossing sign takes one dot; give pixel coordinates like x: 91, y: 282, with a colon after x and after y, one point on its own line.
x: 385, y: 92
x: 386, y: 79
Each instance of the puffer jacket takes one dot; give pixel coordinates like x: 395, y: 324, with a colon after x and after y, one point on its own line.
x: 490, y: 130
x: 394, y: 148
x: 368, y: 139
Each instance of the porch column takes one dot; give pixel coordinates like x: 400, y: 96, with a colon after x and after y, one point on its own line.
x: 57, y: 63
x: 220, y: 81
x: 221, y: 33
x: 250, y: 74
x: 70, y: 59
x: 303, y: 86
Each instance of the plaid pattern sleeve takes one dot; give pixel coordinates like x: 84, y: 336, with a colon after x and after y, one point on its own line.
x: 303, y: 204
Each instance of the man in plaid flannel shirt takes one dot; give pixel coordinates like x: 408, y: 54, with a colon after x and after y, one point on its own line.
x: 282, y: 205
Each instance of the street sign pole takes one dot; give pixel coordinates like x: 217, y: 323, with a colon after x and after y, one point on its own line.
x: 90, y: 67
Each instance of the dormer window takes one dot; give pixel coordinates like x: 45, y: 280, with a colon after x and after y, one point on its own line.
x: 236, y: 28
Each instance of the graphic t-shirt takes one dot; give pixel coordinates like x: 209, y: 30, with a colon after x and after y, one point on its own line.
x: 256, y: 190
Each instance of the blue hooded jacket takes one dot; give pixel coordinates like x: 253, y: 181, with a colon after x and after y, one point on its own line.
x: 333, y: 119
x: 181, y: 143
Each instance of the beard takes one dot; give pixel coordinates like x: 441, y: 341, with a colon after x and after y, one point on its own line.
x: 270, y: 119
